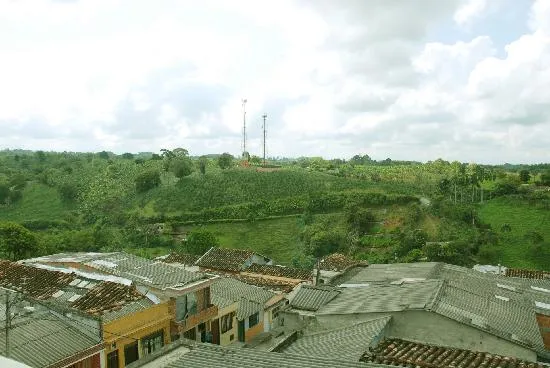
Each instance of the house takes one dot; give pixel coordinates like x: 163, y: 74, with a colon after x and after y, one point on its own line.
x: 334, y: 266
x: 256, y: 309
x: 183, y: 260
x: 277, y: 278
x: 403, y: 353
x: 41, y: 337
x: 192, y: 355
x: 444, y: 305
x: 230, y: 260
x: 165, y: 301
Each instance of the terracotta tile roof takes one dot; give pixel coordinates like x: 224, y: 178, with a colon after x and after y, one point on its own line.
x: 183, y: 258
x: 527, y: 274
x: 267, y: 283
x: 225, y: 259
x: 404, y: 353
x: 281, y: 271
x: 339, y: 262
x: 36, y: 282
x: 106, y: 296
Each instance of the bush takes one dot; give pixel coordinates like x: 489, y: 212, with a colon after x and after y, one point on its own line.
x: 147, y: 181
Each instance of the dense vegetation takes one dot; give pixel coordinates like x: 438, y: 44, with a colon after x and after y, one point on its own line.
x: 382, y: 211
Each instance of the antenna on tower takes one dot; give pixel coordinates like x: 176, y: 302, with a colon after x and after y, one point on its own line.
x: 264, y: 116
x: 245, y: 154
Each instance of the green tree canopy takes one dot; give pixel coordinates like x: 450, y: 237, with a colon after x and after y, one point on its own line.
x: 225, y: 160
x: 16, y: 241
x: 147, y: 181
x: 360, y: 220
x: 524, y: 176
x: 199, y: 241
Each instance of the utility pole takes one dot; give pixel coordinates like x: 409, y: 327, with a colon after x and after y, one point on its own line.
x: 8, y: 323
x: 264, y: 116
x: 244, y: 101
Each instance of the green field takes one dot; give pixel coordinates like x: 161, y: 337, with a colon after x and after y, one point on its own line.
x: 514, y: 248
x: 39, y: 202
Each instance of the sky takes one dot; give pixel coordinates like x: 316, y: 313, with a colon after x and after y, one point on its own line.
x: 464, y: 80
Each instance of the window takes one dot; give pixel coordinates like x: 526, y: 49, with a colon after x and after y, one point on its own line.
x: 231, y: 337
x: 131, y: 353
x: 227, y: 322
x: 253, y: 320
x: 186, y: 305
x: 152, y: 343
x: 112, y: 359
x: 275, y: 311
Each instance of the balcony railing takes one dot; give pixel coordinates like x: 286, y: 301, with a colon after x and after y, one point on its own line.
x: 206, y: 314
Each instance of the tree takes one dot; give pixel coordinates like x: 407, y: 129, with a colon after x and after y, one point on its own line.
x: 545, y: 178
x: 16, y: 241
x: 104, y: 155
x: 199, y: 241
x: 360, y: 220
x: 68, y: 192
x: 4, y: 192
x: 524, y: 176
x: 225, y: 160
x: 203, y: 162
x: 147, y: 180
x: 128, y: 156
x: 255, y: 160
x: 181, y: 167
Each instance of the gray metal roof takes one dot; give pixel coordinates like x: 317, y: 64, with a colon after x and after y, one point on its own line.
x: 127, y: 309
x: 507, y: 319
x: 383, y: 298
x: 347, y: 343
x: 43, y: 339
x: 156, y: 274
x: 393, y: 272
x: 311, y: 298
x: 251, y: 298
x: 207, y: 356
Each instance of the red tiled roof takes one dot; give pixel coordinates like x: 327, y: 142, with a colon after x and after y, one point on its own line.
x: 280, y: 271
x: 106, y: 296
x: 412, y: 354
x: 36, y: 282
x: 266, y: 283
x: 184, y: 258
x: 225, y: 259
x: 339, y: 262
x: 527, y: 274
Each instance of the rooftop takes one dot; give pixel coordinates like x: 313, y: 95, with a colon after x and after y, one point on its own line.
x: 383, y: 298
x: 311, y: 298
x: 38, y: 283
x: 339, y: 262
x: 393, y: 272
x: 108, y: 296
x: 226, y: 259
x: 251, y: 299
x: 527, y: 274
x: 281, y: 271
x: 397, y: 352
x: 155, y: 274
x: 183, y: 258
x: 346, y: 343
x: 41, y: 338
x: 206, y: 355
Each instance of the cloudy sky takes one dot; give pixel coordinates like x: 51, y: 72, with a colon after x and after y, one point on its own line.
x: 457, y: 79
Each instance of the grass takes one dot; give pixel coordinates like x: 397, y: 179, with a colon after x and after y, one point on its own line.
x: 514, y: 250
x: 39, y: 202
x: 278, y: 239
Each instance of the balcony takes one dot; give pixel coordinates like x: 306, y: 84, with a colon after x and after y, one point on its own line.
x: 206, y: 314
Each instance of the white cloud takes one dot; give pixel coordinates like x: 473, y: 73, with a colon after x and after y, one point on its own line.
x: 335, y: 78
x: 469, y: 11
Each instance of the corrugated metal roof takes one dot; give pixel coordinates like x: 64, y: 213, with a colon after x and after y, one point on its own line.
x: 44, y: 339
x: 207, y: 356
x: 392, y: 272
x: 311, y: 298
x: 251, y: 298
x: 127, y: 309
x: 384, y: 298
x: 346, y: 343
